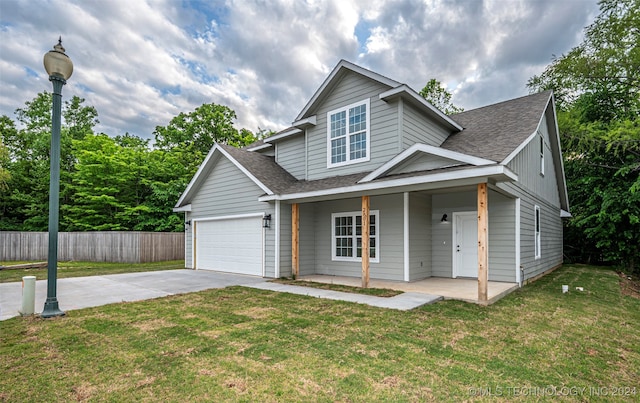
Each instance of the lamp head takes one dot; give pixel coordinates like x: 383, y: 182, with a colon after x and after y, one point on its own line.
x: 57, y: 63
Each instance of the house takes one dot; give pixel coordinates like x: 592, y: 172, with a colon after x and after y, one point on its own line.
x: 368, y: 164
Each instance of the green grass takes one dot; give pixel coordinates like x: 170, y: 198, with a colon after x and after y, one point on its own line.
x: 80, y: 269
x: 376, y: 292
x: 241, y: 344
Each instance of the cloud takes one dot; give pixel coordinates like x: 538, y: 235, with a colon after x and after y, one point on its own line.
x: 142, y: 62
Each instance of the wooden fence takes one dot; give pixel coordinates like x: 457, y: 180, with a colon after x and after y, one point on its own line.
x: 107, y: 246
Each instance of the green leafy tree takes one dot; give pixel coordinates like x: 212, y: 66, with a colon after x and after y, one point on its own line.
x: 24, y: 205
x: 601, y: 74
x: 597, y: 88
x: 438, y: 96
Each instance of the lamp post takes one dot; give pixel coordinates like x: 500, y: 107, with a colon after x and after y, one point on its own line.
x: 59, y: 68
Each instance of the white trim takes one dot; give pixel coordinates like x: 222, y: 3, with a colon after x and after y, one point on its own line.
x: 344, y: 65
x: 414, y: 96
x: 276, y: 268
x: 354, y: 214
x: 290, y: 132
x: 406, y: 235
x: 185, y: 208
x: 193, y: 245
x: 227, y: 217
x: 519, y: 148
x: 425, y: 148
x: 471, y: 173
x: 216, y: 147
x: 565, y: 214
x: 454, y: 225
x: 259, y: 147
x: 347, y: 135
x: 310, y: 121
x: 537, y: 231
x: 517, y: 208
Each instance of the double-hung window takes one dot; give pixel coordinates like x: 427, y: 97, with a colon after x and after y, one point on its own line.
x: 346, y: 229
x: 541, y: 155
x: 537, y: 233
x: 348, y: 134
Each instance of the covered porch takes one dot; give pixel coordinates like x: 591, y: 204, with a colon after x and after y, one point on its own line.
x: 449, y: 288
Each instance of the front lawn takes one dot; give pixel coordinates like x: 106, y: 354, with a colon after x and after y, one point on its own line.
x: 80, y: 269
x: 241, y: 344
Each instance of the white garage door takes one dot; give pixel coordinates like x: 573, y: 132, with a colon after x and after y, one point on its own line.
x: 233, y: 245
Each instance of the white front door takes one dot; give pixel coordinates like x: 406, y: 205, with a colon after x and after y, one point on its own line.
x: 465, y: 252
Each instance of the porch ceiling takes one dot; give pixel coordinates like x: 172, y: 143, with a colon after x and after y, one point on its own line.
x: 449, y: 288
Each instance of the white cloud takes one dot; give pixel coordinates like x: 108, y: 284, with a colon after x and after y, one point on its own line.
x: 142, y: 62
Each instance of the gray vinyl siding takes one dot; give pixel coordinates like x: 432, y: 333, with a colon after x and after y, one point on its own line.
x: 550, y: 232
x: 419, y: 129
x: 384, y: 140
x: 227, y: 191
x: 419, y: 236
x: 502, y: 240
x: 423, y: 162
x: 291, y: 156
x: 527, y: 165
x: 441, y: 235
x: 307, y: 234
x: 285, y: 240
x: 390, y: 238
x: 502, y: 259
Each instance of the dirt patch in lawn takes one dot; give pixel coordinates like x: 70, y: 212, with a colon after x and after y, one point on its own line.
x: 629, y: 285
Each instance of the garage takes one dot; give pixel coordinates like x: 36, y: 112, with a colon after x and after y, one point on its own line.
x: 231, y: 245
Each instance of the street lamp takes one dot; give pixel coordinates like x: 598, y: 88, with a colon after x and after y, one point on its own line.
x: 59, y: 68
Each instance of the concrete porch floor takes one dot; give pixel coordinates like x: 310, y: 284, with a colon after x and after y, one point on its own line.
x: 449, y: 288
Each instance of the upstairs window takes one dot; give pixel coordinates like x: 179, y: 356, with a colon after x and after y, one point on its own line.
x: 541, y: 155
x: 348, y: 134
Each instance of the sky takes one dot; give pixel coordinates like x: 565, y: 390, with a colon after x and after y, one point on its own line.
x: 142, y: 62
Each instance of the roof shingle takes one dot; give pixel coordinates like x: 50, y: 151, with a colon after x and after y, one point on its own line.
x: 494, y: 131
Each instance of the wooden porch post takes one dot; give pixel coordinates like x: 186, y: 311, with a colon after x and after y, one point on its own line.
x: 295, y: 240
x: 365, y: 241
x: 483, y: 242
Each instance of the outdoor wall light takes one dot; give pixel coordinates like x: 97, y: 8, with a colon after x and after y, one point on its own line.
x: 444, y: 218
x: 266, y: 221
x: 187, y: 224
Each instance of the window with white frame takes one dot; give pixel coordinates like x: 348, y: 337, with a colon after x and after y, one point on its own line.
x: 348, y: 134
x: 346, y: 230
x: 541, y: 155
x: 537, y: 232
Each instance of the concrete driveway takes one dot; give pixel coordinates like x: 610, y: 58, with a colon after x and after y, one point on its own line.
x: 85, y: 292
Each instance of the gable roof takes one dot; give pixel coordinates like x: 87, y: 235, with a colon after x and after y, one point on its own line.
x: 261, y: 169
x: 493, y: 132
x: 342, y: 68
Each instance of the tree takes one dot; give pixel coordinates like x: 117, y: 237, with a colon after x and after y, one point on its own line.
x: 602, y: 73
x: 439, y: 97
x: 197, y: 131
x: 597, y: 87
x: 24, y: 206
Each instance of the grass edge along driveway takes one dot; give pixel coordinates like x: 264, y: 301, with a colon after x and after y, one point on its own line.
x: 240, y: 344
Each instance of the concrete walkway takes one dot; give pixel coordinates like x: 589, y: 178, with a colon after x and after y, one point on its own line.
x: 85, y: 292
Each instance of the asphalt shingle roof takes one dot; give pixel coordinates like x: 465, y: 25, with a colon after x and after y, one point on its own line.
x: 494, y: 131
x: 263, y: 167
x: 490, y: 132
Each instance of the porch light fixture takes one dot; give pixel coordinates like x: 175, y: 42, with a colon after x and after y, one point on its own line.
x: 444, y: 219
x: 266, y: 221
x: 187, y: 224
